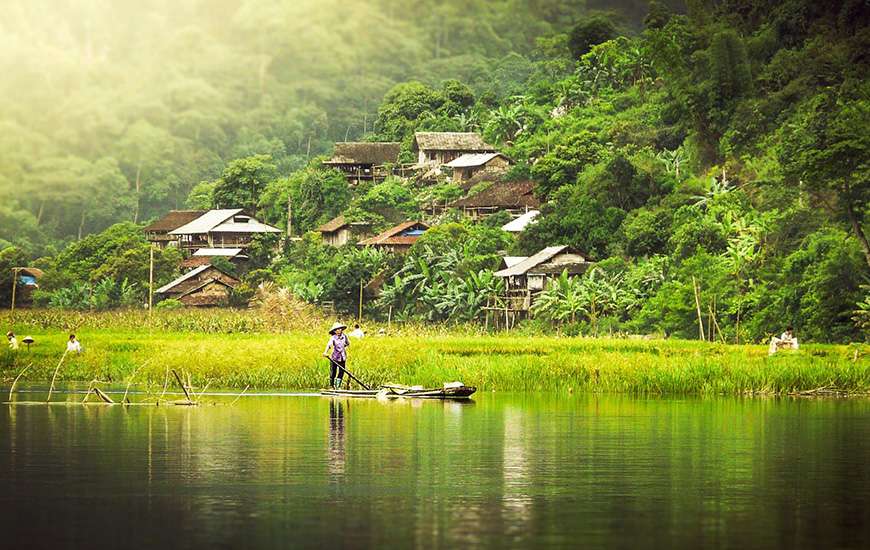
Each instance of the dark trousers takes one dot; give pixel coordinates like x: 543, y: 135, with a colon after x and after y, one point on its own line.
x: 334, y: 370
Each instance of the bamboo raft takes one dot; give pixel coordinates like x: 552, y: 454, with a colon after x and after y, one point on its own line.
x: 395, y: 391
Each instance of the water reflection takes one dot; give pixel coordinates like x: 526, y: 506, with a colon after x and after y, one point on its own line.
x: 525, y: 470
x: 337, y: 440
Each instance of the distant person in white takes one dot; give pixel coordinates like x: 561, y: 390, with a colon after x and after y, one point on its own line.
x: 13, y: 341
x: 73, y: 345
x: 357, y: 332
x: 786, y: 341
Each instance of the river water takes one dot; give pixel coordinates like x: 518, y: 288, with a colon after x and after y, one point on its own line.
x: 501, y: 471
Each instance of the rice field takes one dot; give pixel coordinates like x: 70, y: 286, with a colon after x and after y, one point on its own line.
x: 234, y: 359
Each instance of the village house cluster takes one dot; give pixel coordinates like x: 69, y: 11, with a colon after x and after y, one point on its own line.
x: 463, y: 158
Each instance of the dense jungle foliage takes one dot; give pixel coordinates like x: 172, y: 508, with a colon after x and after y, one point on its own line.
x: 722, y: 146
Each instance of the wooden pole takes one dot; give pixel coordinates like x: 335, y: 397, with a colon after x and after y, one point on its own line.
x: 183, y: 387
x: 359, y: 319
x: 51, y: 387
x: 151, y: 280
x: 289, y: 215
x: 698, y: 307
x: 14, y: 287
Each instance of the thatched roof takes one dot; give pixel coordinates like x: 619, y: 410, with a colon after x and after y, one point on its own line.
x: 359, y: 152
x: 396, y: 235
x: 508, y: 194
x: 451, y: 141
x: 173, y: 220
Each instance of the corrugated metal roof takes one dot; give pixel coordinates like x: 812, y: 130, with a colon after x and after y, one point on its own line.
x: 511, y: 261
x: 519, y: 224
x: 472, y: 160
x: 218, y: 252
x: 531, y: 262
x: 190, y: 274
x: 206, y: 222
x: 252, y: 226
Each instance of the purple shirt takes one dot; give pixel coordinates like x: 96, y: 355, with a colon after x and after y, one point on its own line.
x: 339, y: 343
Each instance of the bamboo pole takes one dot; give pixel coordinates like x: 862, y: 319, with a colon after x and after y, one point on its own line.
x: 698, y: 307
x: 59, y: 363
x: 14, y: 288
x: 240, y: 395
x: 151, y: 281
x: 183, y: 387
x: 20, y: 374
x: 359, y: 318
x: 103, y: 396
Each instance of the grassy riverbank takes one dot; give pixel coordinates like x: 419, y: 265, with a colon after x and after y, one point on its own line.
x: 292, y: 360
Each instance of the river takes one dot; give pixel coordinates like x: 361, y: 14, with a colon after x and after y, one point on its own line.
x: 512, y: 470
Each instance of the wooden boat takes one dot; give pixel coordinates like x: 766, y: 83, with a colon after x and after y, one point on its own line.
x: 394, y: 391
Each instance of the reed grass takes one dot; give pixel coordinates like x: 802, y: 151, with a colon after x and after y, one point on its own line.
x: 273, y: 360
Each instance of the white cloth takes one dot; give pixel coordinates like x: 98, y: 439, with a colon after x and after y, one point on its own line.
x: 13, y: 343
x: 357, y: 333
x: 74, y: 346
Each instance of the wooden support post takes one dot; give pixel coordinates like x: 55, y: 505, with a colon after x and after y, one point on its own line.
x: 151, y: 281
x: 14, y: 288
x: 359, y: 318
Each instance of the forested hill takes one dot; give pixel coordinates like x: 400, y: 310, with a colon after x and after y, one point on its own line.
x: 114, y: 110
x: 714, y: 159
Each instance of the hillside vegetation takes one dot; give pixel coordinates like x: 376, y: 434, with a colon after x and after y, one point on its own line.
x: 721, y: 146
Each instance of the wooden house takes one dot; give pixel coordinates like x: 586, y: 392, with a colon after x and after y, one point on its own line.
x: 204, y: 286
x: 514, y: 197
x: 471, y: 164
x: 440, y: 148
x: 204, y: 256
x: 230, y: 228
x: 363, y: 161
x: 399, y: 238
x: 526, y: 277
x: 340, y: 231
x: 158, y: 231
x: 24, y: 281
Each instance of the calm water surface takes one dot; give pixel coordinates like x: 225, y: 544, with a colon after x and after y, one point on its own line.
x: 502, y: 471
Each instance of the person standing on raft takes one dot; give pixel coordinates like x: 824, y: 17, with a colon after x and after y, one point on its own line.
x: 339, y: 343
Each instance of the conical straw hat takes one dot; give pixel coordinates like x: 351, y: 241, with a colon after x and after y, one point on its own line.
x: 335, y: 326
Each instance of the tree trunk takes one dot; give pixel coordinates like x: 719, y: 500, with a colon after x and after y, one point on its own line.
x: 82, y: 223
x: 859, y: 232
x: 40, y: 213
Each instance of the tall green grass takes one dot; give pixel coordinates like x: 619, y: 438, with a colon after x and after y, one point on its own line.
x: 503, y: 363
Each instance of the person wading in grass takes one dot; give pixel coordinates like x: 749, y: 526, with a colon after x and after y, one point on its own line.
x: 338, y: 343
x: 13, y: 341
x: 73, y: 345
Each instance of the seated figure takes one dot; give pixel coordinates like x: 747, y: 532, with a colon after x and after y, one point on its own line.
x: 786, y: 341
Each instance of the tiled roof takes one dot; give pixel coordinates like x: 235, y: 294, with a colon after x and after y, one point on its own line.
x: 393, y: 235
